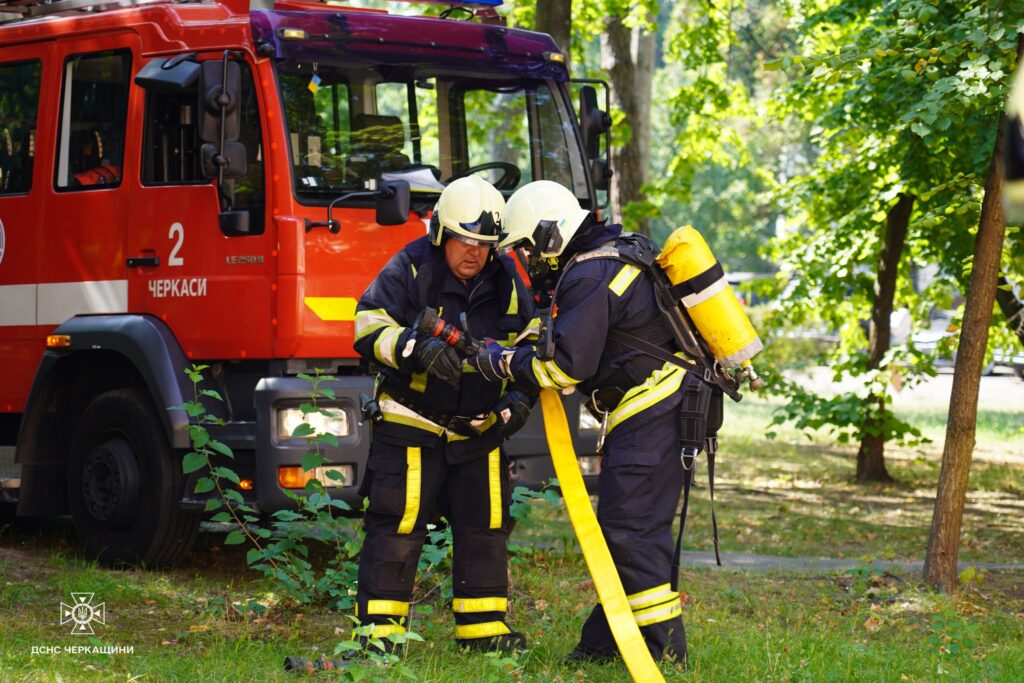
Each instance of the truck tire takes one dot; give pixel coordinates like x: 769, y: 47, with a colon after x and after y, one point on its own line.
x: 124, y: 485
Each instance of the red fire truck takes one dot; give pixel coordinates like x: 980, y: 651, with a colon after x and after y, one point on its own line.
x: 205, y: 182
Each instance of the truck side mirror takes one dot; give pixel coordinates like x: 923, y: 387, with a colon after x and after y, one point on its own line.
x: 174, y: 75
x: 220, y: 93
x: 594, y: 124
x: 393, y: 202
x: 232, y: 161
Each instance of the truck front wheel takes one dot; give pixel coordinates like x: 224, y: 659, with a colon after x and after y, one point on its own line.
x: 124, y: 485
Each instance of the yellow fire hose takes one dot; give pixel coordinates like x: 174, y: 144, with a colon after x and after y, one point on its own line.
x: 595, y: 551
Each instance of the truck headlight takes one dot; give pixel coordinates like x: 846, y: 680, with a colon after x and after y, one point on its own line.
x: 336, y: 423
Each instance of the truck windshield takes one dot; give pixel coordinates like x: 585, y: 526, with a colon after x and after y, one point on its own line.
x: 351, y: 125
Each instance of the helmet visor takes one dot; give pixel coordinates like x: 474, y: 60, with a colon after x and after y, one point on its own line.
x: 483, y: 232
x: 472, y: 241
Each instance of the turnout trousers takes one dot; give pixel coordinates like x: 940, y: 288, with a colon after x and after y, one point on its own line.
x: 636, y: 507
x: 409, y: 480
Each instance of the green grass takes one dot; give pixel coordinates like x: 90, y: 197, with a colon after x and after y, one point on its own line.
x: 795, y: 495
x: 859, y: 626
x: 791, y: 496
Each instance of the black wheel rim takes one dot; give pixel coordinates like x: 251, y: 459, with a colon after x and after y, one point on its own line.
x: 110, y: 482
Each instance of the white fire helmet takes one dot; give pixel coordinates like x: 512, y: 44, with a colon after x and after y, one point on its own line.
x: 468, y: 210
x: 542, y: 216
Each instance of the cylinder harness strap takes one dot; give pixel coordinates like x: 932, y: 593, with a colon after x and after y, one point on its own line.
x: 595, y: 550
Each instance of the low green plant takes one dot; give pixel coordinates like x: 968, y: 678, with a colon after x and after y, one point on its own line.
x: 366, y: 653
x: 951, y: 635
x: 281, y: 552
x: 522, y: 499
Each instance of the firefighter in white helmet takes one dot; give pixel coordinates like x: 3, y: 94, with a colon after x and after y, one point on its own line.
x: 438, y: 433
x: 641, y: 478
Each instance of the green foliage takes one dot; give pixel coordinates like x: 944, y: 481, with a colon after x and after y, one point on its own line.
x: 887, y: 90
x: 522, y: 497
x: 848, y: 416
x: 280, y: 552
x: 952, y: 635
x: 368, y: 652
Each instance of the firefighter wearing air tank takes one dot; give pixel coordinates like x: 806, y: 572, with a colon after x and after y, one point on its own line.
x: 438, y: 426
x: 638, y: 397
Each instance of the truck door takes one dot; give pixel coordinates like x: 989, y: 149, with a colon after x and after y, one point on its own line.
x: 213, y: 289
x: 22, y: 185
x: 82, y: 261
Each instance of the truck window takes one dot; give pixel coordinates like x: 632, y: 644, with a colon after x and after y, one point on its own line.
x: 19, y: 107
x: 509, y: 141
x: 351, y: 124
x: 417, y: 118
x: 171, y: 145
x: 318, y: 125
x: 94, y: 107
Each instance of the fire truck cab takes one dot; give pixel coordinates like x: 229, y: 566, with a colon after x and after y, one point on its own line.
x: 208, y: 183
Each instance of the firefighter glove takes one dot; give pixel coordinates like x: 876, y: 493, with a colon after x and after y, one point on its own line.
x: 439, y: 359
x: 512, y: 410
x: 492, y: 361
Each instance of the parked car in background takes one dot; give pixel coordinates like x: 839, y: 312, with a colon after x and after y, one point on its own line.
x: 941, y: 338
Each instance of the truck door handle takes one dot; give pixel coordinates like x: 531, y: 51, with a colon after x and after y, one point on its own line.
x: 146, y: 261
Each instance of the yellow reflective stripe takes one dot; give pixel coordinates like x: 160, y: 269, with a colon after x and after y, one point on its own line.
x: 412, y: 489
x: 624, y: 279
x: 412, y: 422
x: 657, y: 614
x: 595, y: 550
x: 513, y: 304
x: 372, y: 320
x: 395, y: 412
x: 494, y: 485
x: 392, y: 608
x: 386, y: 345
x: 660, y: 385
x: 332, y: 308
x: 385, y: 630
x: 418, y: 382
x: 549, y: 375
x: 652, y: 596
x: 531, y: 332
x: 466, y: 605
x: 541, y: 375
x: 413, y: 266
x: 484, y: 630
x: 557, y: 373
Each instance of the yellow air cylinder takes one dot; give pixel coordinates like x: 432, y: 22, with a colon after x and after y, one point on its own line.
x: 710, y: 301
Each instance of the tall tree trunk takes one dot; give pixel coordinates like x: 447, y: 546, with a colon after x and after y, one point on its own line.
x: 871, y: 456
x: 554, y: 17
x: 1011, y: 306
x: 628, y: 57
x: 944, y: 539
